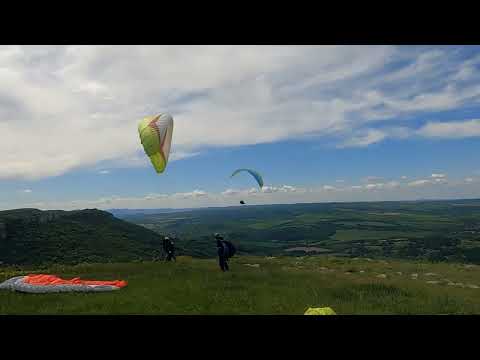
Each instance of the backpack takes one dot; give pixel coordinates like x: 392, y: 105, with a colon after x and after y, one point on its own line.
x: 229, y: 249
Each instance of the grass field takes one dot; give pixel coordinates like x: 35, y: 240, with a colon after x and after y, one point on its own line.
x: 285, y: 285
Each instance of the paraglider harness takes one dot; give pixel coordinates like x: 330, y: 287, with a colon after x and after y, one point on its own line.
x: 229, y: 249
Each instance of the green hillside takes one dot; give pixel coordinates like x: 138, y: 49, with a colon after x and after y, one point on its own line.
x: 260, y: 285
x: 31, y: 236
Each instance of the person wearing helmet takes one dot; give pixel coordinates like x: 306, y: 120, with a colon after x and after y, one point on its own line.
x: 169, y: 249
x: 222, y: 252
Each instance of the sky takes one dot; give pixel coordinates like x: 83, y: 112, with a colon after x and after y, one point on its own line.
x: 320, y: 123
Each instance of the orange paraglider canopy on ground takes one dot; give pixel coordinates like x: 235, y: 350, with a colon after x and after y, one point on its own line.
x: 42, y: 279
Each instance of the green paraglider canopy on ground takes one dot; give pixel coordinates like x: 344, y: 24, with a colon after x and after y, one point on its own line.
x: 320, y: 311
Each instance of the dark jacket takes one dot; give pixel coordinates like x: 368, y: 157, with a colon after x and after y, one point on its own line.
x: 221, y: 248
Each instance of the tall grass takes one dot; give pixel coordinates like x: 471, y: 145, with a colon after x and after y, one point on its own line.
x: 277, y: 286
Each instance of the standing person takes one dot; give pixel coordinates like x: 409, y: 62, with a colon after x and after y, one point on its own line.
x: 221, y: 251
x: 169, y: 248
x: 225, y: 250
x: 165, y: 242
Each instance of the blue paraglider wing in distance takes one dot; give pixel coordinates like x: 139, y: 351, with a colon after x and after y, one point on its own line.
x: 254, y: 173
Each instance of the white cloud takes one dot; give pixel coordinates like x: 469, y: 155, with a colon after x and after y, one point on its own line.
x: 97, y: 94
x: 230, y: 192
x: 274, y: 189
x: 392, y: 184
x: 288, y: 188
x: 193, y: 194
x: 465, y: 73
x: 372, y: 136
x: 403, y: 177
x: 398, y: 132
x: 374, y: 186
x: 451, y: 130
x: 155, y: 196
x: 372, y: 179
x: 269, y: 189
x: 179, y: 155
x: 439, y: 130
x: 435, y: 179
x: 285, y: 194
x: 419, y: 182
x: 377, y: 186
x: 469, y: 180
x: 27, y: 191
x: 100, y: 92
x: 104, y: 172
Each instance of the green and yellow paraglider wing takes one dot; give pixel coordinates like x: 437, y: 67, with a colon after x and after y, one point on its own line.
x: 156, y: 137
x: 320, y: 311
